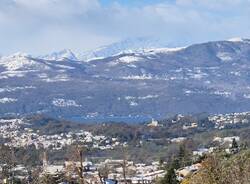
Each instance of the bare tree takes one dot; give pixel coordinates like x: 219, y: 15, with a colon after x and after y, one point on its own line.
x: 80, y: 168
x: 124, y: 164
x: 124, y: 170
x: 8, y: 159
x: 34, y: 176
x: 77, y: 158
x: 103, y: 173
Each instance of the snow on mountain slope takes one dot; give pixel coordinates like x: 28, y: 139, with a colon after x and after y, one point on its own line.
x: 22, y: 65
x: 124, y: 46
x: 209, y: 77
x: 20, y: 61
x: 7, y: 100
x: 60, y: 56
x: 130, y: 45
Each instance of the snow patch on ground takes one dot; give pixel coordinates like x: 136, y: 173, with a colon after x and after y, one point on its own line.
x: 147, y: 97
x: 60, y: 102
x: 141, y: 97
x: 222, y: 93
x: 132, y: 103
x: 57, y: 78
x: 130, y: 97
x: 187, y: 92
x: 65, y: 67
x: 42, y: 76
x: 9, y: 74
x: 132, y: 66
x: 223, y: 56
x: 129, y: 59
x: 7, y: 100
x: 247, y: 96
x: 236, y: 73
x: 126, y: 60
x: 138, y: 77
x: 12, y: 89
x: 197, y: 76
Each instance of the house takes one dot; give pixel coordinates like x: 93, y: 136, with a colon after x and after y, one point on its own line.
x: 186, y: 171
x: 53, y: 169
x: 153, y: 123
x: 200, y: 152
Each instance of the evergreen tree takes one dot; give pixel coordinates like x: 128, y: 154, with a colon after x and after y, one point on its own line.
x: 182, y: 151
x: 170, y: 177
x: 176, y: 163
x: 234, y: 144
x: 183, y: 156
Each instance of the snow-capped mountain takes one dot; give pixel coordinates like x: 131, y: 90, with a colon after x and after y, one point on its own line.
x: 125, y: 46
x: 210, y: 77
x: 61, y: 55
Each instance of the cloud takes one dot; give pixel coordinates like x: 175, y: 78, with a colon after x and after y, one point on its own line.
x: 42, y: 26
x: 213, y: 4
x: 45, y: 25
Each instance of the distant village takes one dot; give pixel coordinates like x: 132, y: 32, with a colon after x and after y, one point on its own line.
x: 221, y: 120
x: 11, y: 130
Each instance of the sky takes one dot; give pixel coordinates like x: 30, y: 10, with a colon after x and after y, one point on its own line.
x: 43, y: 26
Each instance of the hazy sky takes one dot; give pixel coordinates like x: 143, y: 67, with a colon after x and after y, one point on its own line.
x: 43, y: 26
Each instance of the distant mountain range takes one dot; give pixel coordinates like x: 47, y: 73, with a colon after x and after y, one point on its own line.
x: 125, y: 46
x: 129, y: 79
x: 129, y: 45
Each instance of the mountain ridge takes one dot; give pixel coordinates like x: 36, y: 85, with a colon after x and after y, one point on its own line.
x: 209, y: 77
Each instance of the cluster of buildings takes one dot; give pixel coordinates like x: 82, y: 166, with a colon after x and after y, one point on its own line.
x: 116, y: 171
x: 108, y: 171
x: 16, y: 135
x: 221, y: 120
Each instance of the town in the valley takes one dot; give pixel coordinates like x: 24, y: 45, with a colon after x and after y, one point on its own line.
x: 80, y: 167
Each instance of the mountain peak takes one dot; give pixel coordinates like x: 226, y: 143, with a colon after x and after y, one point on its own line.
x: 128, y: 45
x: 18, y: 55
x: 60, y: 55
